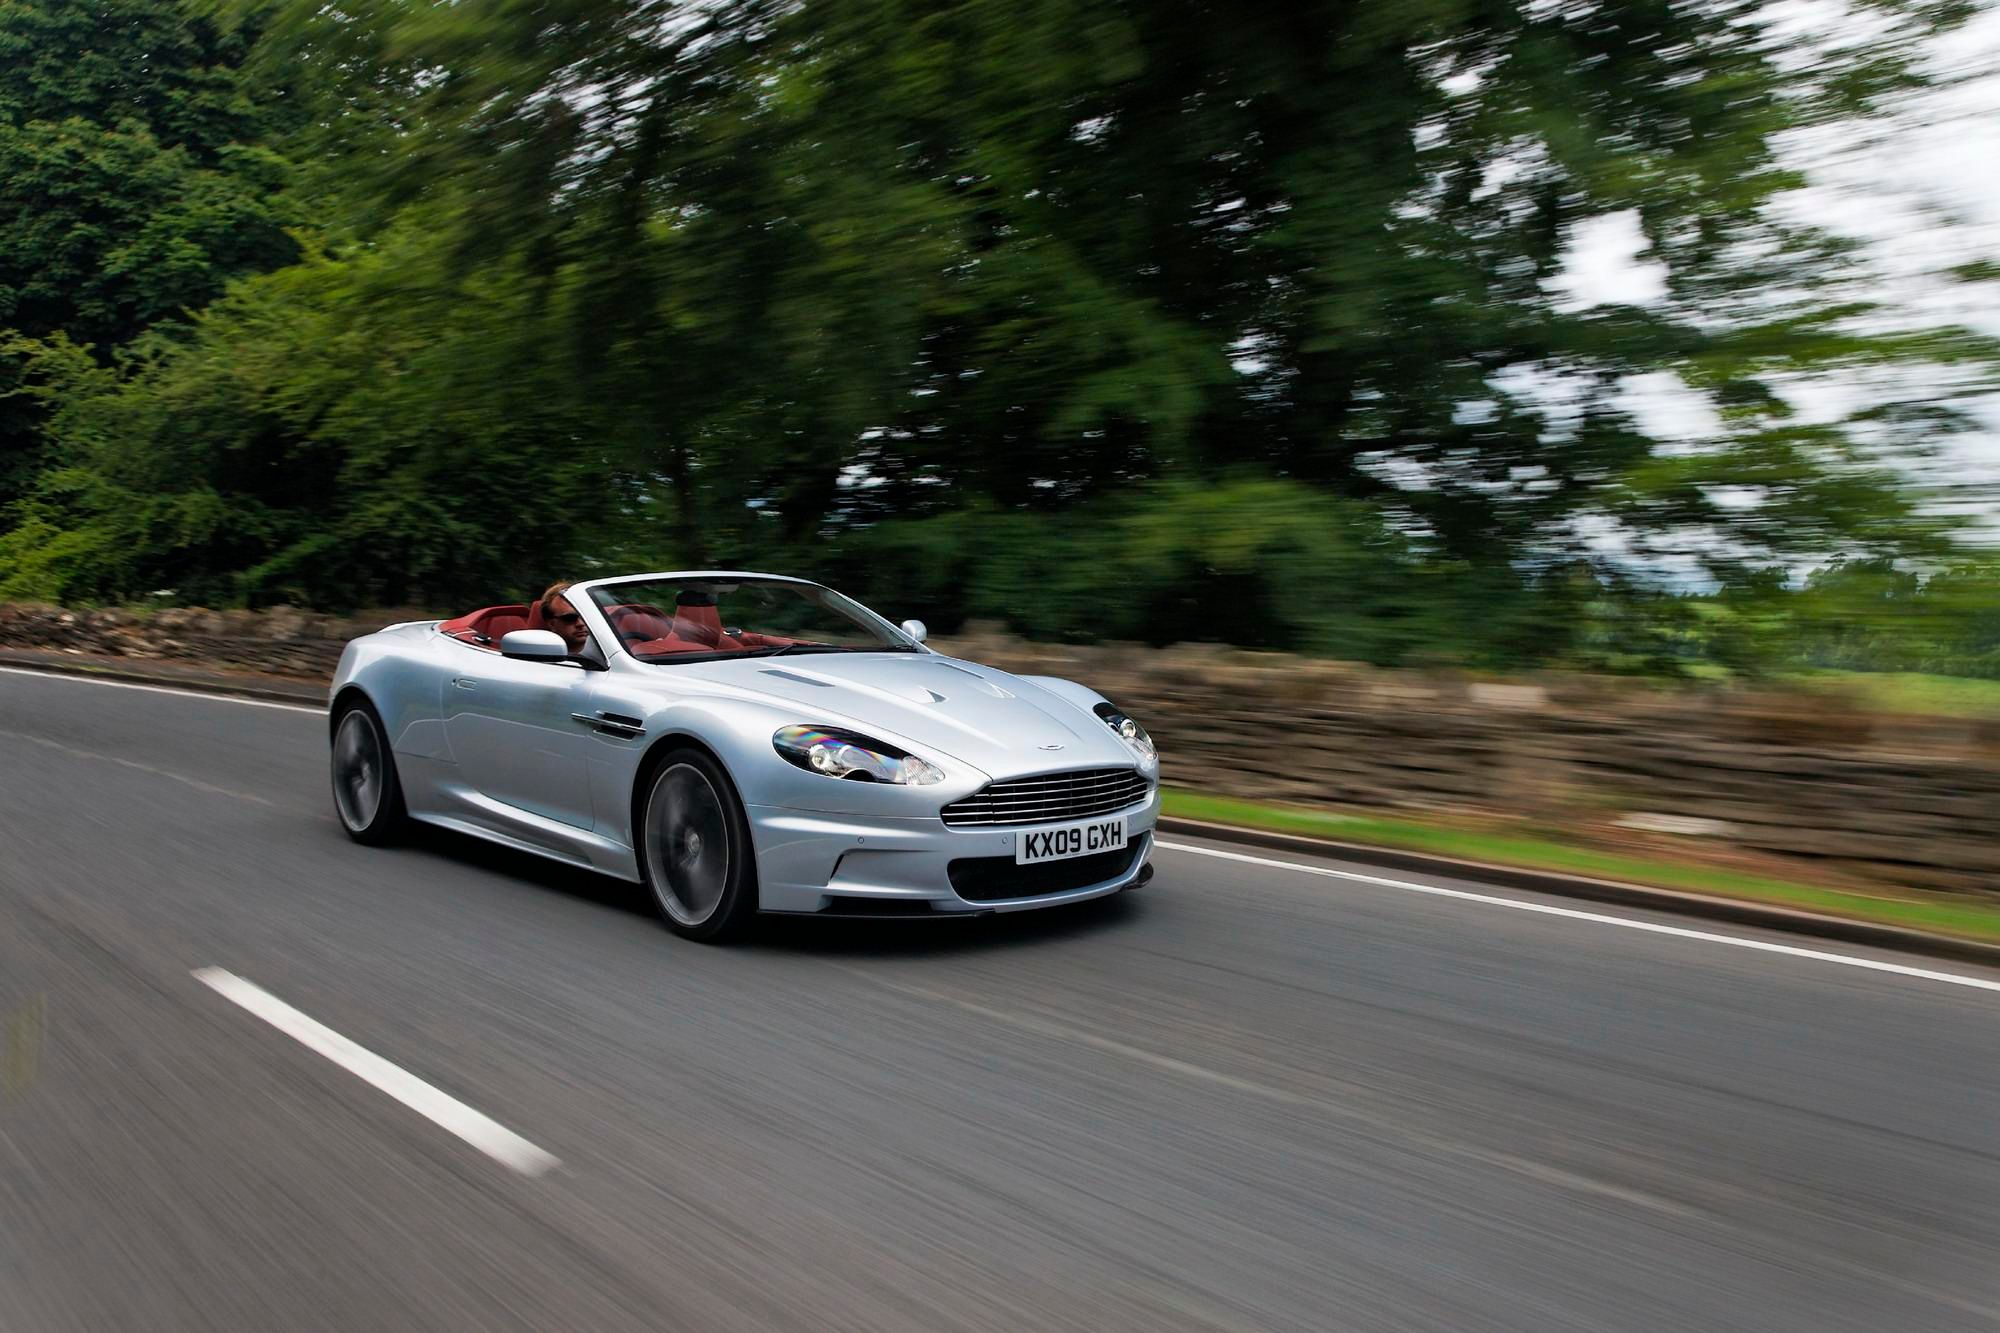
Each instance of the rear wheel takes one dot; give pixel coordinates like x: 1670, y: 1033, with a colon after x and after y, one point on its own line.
x: 694, y: 848
x: 367, y: 794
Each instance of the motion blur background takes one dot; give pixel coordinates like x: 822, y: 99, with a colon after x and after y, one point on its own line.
x: 1644, y: 337
x: 1558, y: 433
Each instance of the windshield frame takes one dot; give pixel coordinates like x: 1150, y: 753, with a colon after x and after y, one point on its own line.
x: 834, y: 602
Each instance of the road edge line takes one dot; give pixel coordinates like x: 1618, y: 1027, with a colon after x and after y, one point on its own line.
x: 1620, y: 893
x: 1633, y: 923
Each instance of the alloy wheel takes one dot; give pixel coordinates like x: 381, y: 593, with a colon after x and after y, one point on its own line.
x: 358, y: 777
x: 687, y: 844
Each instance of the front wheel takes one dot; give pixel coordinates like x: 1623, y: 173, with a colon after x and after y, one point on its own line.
x: 367, y: 793
x: 694, y: 848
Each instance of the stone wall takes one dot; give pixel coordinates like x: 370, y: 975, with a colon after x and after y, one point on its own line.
x: 1810, y: 785
x: 282, y: 641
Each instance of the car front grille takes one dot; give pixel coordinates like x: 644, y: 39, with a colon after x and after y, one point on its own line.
x: 988, y: 879
x: 1048, y: 799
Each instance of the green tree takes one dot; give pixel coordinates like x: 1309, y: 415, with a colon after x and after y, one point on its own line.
x: 1260, y: 308
x: 136, y: 178
x: 342, y: 432
x: 1012, y: 251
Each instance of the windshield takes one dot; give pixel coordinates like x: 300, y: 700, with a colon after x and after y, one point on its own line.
x: 678, y: 620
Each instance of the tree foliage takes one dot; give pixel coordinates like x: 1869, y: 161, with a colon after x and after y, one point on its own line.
x: 1148, y: 318
x: 137, y: 176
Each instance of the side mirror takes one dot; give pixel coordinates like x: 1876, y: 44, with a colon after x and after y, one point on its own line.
x: 534, y: 645
x: 915, y: 629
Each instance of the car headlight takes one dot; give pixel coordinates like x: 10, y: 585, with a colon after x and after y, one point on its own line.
x: 1134, y: 735
x: 846, y: 754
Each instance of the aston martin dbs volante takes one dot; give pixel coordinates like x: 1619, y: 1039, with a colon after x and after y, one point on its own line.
x: 742, y: 742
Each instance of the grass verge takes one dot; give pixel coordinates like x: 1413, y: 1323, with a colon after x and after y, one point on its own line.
x: 1937, y: 914
x: 1910, y: 691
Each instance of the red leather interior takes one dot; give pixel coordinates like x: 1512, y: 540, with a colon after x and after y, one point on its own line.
x: 488, y: 623
x: 633, y: 621
x: 648, y: 629
x: 644, y: 629
x: 701, y: 623
x: 670, y: 644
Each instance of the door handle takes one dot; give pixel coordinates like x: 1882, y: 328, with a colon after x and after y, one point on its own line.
x: 464, y: 684
x: 612, y: 724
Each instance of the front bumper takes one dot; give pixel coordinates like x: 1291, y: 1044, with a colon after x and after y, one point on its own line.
x: 812, y: 862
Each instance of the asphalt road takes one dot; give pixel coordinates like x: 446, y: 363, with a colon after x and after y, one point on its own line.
x: 1242, y: 1097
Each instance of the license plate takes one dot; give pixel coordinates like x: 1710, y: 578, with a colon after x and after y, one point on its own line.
x: 1060, y: 844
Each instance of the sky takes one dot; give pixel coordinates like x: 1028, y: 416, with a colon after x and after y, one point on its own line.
x: 1924, y: 192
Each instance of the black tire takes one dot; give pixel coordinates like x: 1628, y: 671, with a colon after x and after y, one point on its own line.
x: 367, y: 792
x: 693, y: 848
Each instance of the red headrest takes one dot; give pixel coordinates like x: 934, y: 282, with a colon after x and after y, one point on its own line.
x: 643, y: 622
x: 703, y: 623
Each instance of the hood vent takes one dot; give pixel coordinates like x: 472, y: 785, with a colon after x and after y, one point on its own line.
x: 793, y: 676
x: 981, y: 681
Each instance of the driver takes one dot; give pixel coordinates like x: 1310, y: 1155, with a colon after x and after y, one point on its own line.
x: 559, y: 616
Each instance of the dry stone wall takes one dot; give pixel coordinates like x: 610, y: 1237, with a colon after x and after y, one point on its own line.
x: 282, y: 641
x: 1809, y: 782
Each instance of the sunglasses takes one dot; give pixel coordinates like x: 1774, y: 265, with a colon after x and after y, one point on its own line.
x: 566, y: 618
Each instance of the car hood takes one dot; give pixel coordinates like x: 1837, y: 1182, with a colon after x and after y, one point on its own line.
x: 989, y: 719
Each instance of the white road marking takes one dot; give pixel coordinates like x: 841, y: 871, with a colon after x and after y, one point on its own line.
x: 160, y: 689
x: 487, y: 1135
x: 1602, y: 918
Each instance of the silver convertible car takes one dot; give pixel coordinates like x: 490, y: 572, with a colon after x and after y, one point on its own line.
x: 744, y: 742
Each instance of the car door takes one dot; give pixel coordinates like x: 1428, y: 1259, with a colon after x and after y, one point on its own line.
x: 509, y: 725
